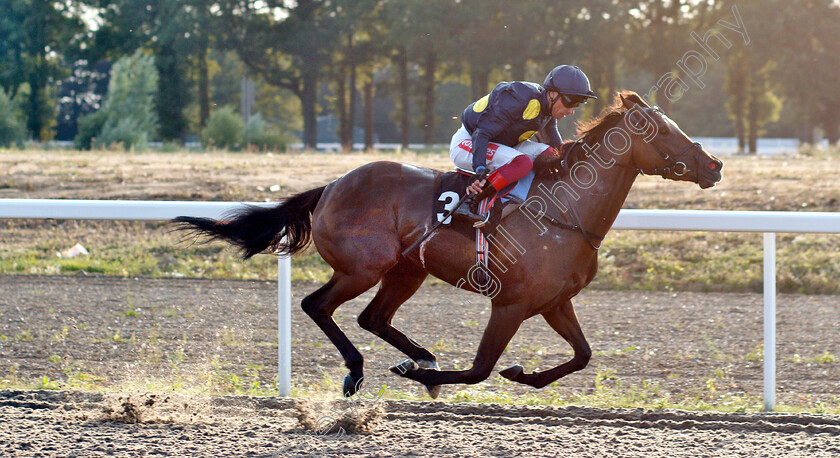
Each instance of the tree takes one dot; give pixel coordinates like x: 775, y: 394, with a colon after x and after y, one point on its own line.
x: 180, y: 34
x: 33, y: 36
x: 752, y: 102
x: 815, y: 49
x: 423, y: 34
x: 11, y: 128
x: 597, y: 41
x: 128, y: 115
x: 359, y: 35
x: 79, y: 94
x: 660, y: 35
x: 287, y: 44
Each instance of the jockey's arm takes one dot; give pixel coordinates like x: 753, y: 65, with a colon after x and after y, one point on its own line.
x: 480, y: 139
x: 550, y: 132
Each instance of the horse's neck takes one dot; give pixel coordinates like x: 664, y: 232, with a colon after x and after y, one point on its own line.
x: 597, y: 204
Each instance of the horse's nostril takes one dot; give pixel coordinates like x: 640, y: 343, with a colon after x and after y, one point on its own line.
x: 714, y: 165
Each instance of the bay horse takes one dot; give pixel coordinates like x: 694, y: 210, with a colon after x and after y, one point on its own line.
x: 361, y: 222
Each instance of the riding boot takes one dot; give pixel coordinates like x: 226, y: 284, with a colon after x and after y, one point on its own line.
x: 464, y: 212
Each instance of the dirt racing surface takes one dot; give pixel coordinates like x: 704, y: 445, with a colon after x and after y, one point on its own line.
x: 133, y: 333
x: 58, y: 423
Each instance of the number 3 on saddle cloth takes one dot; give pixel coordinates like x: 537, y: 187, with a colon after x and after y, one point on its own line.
x: 450, y: 187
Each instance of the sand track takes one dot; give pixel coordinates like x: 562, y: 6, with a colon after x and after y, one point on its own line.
x: 67, y: 423
x: 677, y: 342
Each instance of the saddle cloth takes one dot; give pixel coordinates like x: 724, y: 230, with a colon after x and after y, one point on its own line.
x: 450, y: 187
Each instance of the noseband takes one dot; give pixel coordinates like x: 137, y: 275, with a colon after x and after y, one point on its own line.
x: 674, y: 165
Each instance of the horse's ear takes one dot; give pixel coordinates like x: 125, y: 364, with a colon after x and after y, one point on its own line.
x: 626, y: 103
x: 630, y: 98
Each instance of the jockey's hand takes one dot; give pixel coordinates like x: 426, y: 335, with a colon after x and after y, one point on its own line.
x: 476, y: 186
x: 480, y: 179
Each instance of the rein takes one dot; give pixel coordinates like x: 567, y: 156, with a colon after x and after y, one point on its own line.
x: 578, y: 224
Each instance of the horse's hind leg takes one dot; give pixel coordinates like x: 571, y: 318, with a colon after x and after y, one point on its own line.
x: 398, y: 285
x: 562, y: 319
x: 320, y: 306
x: 503, y: 324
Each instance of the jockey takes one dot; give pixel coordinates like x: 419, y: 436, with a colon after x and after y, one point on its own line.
x: 493, y: 140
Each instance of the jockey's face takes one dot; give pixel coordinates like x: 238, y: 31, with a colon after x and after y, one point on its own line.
x: 558, y: 110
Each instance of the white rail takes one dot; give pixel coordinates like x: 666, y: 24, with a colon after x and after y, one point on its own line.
x: 675, y: 220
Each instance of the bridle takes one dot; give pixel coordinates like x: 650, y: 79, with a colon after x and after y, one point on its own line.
x: 675, y: 164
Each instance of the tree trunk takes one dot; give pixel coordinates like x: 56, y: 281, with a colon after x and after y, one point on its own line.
x: 741, y: 134
x: 738, y: 88
x: 517, y: 72
x: 172, y: 94
x: 611, y: 80
x: 354, y: 102
x: 831, y: 124
x: 402, y: 63
x: 341, y: 108
x: 662, y: 100
x: 479, y: 80
x: 752, y: 122
x: 429, y: 99
x: 368, y: 103
x: 33, y: 115
x: 740, y: 123
x: 808, y: 126
x: 203, y: 86
x: 308, y: 103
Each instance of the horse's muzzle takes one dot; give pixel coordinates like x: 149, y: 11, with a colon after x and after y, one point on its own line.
x: 710, y: 175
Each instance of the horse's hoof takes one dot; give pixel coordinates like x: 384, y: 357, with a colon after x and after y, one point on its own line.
x: 433, y: 390
x: 351, y: 385
x: 512, y: 372
x: 403, y: 367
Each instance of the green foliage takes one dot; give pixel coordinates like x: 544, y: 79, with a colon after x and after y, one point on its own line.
x: 128, y: 115
x: 223, y: 130
x: 89, y: 128
x: 262, y: 136
x: 34, y: 39
x: 128, y: 132
x: 11, y: 127
x: 46, y: 384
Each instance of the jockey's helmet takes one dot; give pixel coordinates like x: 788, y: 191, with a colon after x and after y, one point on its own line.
x: 569, y: 80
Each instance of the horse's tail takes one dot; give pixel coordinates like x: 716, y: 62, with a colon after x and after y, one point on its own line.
x: 285, y: 228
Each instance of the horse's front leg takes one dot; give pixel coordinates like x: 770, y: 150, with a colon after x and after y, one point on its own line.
x: 562, y: 319
x: 503, y: 324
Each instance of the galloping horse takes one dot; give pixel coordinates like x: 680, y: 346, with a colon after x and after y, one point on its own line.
x: 361, y: 223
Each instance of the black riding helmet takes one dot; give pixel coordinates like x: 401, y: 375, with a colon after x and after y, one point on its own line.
x: 570, y: 81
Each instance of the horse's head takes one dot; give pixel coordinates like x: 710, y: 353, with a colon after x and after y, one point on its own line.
x: 660, y: 147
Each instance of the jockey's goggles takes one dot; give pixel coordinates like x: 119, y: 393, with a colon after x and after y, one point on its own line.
x: 572, y: 101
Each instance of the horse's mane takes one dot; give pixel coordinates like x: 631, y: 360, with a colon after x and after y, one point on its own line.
x: 588, y: 131
x: 607, y: 119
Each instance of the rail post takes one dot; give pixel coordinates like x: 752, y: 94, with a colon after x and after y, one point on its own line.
x: 769, y: 321
x: 284, y: 325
